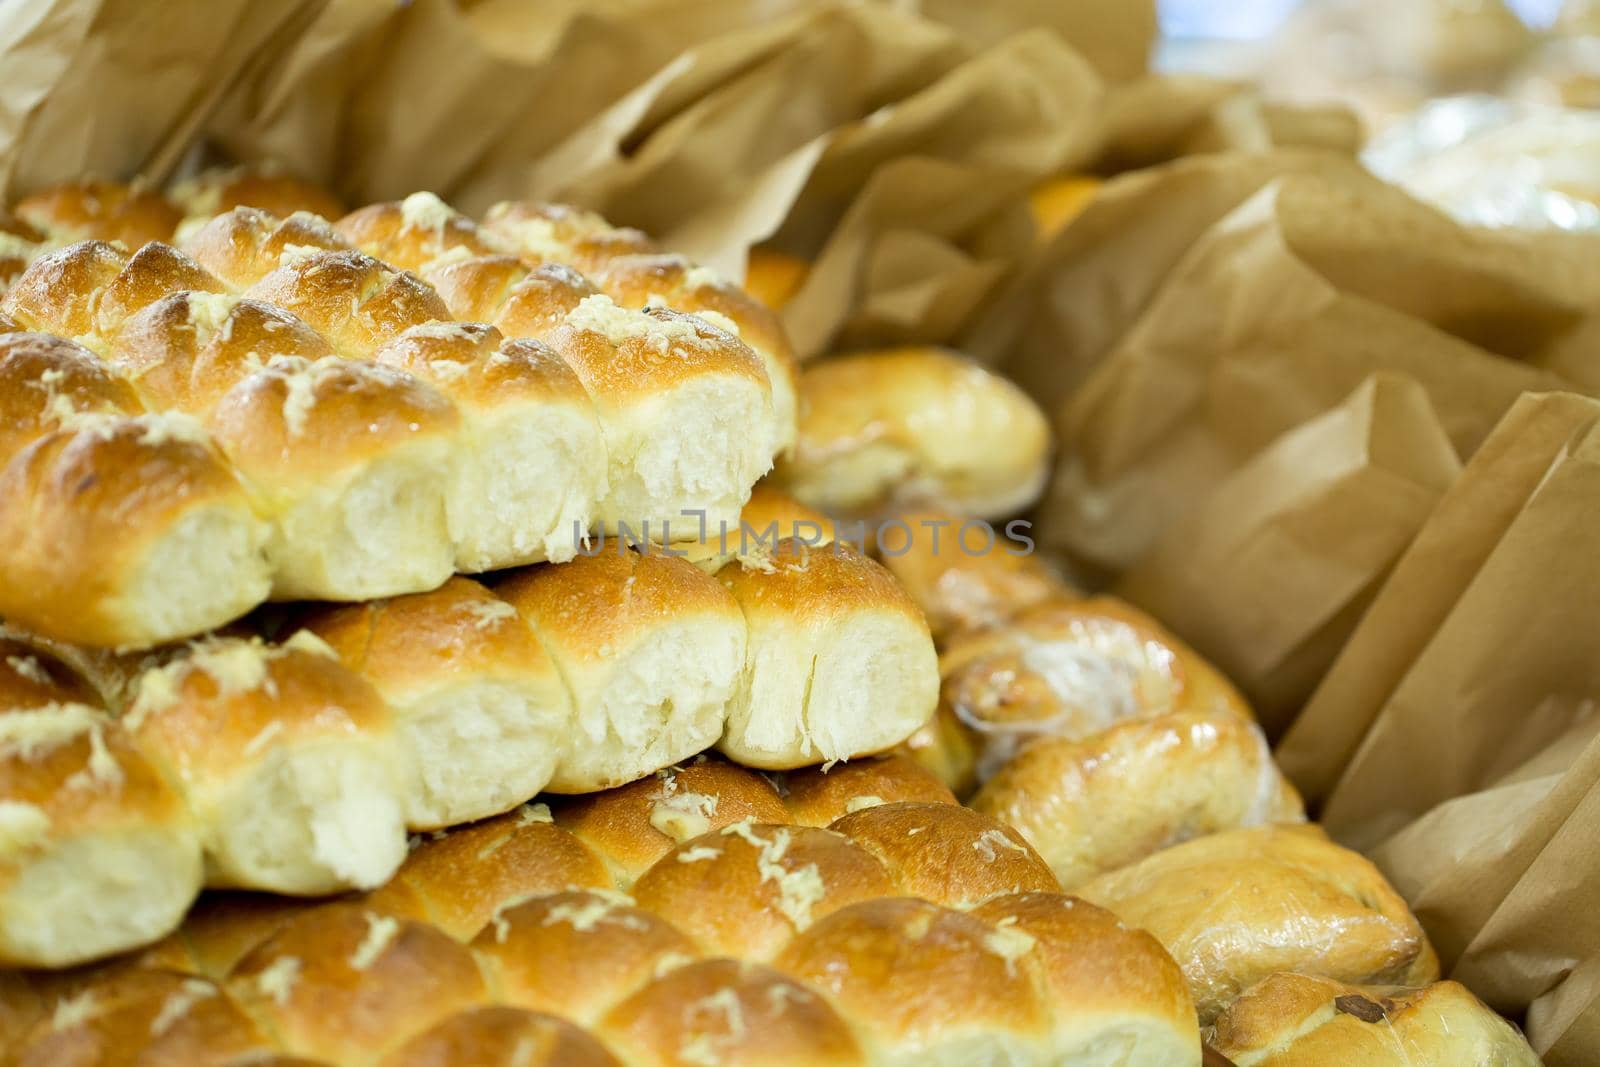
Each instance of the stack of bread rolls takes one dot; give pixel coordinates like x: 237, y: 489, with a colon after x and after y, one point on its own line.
x: 1139, y: 775
x: 294, y: 408
x: 705, y: 915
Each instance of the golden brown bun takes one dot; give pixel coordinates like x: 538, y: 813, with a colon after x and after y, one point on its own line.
x: 733, y: 1014
x: 574, y: 954
x: 352, y: 462
x: 946, y: 748
x: 98, y: 854
x: 533, y: 467
x: 1300, y: 1020
x: 344, y: 983
x: 749, y: 887
x: 223, y: 926
x: 946, y: 853
x: 414, y: 232
x: 215, y: 191
x: 774, y: 277
x: 650, y: 648
x: 562, y: 234
x: 1070, y: 669
x: 1237, y: 906
x: 87, y: 290
x: 769, y: 516
x: 957, y: 582
x: 244, y: 245
x: 20, y: 244
x: 474, y: 695
x: 635, y: 825
x: 817, y: 796
x: 520, y: 299
x: 187, y: 349
x: 101, y: 211
x: 501, y: 1037
x: 665, y: 280
x: 45, y: 381
x: 915, y: 426
x: 162, y: 539
x: 353, y: 300
x: 513, y: 856
x: 287, y: 758
x: 1096, y: 804
x: 143, y: 1016
x: 839, y: 661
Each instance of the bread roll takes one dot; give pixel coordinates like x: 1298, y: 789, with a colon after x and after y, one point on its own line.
x: 769, y: 516
x: 774, y: 277
x: 224, y: 926
x: 651, y: 650
x: 162, y: 539
x: 839, y: 661
x: 1070, y: 669
x: 473, y: 694
x: 501, y: 1037
x: 512, y: 857
x: 946, y: 853
x: 187, y: 349
x: 416, y: 231
x: 97, y: 852
x: 287, y: 758
x: 915, y: 426
x: 957, y: 585
x: 101, y: 211
x: 946, y: 748
x: 31, y: 677
x: 733, y: 1014
x: 559, y: 233
x: 215, y: 191
x: 533, y: 466
x: 687, y: 412
x: 575, y: 954
x: 352, y: 462
x: 345, y: 983
x: 817, y: 796
x: 45, y: 382
x: 244, y: 245
x: 1237, y: 906
x: 353, y: 300
x: 635, y: 825
x: 664, y: 280
x: 520, y: 299
x: 1304, y: 1021
x: 87, y: 290
x: 1096, y: 804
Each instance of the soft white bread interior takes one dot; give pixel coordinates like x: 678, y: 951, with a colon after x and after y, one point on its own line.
x: 839, y: 661
x: 651, y: 650
x: 474, y: 695
x: 288, y: 759
x: 912, y: 427
x: 353, y: 462
x: 532, y: 466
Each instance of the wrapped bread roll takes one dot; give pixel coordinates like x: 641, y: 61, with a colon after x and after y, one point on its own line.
x: 345, y: 983
x: 353, y: 462
x: 1105, y: 801
x: 561, y: 233
x: 101, y: 211
x: 651, y: 650
x: 473, y: 694
x: 501, y: 1037
x: 686, y: 409
x: 287, y: 758
x: 641, y: 281
x: 915, y: 426
x: 533, y: 468
x: 839, y: 660
x: 244, y: 245
x: 734, y: 1013
x: 97, y: 853
x: 1070, y: 669
x: 163, y: 540
x: 1237, y: 906
x: 1305, y: 1021
x: 773, y: 277
x: 86, y: 290
x: 216, y: 191
x: 353, y: 300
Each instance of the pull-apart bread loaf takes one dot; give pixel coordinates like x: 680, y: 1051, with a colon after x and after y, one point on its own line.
x: 326, y: 423
x: 705, y: 915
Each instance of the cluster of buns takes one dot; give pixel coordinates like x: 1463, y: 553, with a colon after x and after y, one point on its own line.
x: 291, y: 408
x: 705, y: 917
x: 297, y: 765
x: 1138, y: 774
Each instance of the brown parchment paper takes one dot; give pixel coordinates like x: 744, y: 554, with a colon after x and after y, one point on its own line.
x: 1268, y: 576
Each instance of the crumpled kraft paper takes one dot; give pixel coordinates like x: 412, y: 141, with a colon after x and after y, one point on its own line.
x: 1269, y: 575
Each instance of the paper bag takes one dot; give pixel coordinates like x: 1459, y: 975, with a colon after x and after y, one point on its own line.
x: 1271, y: 573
